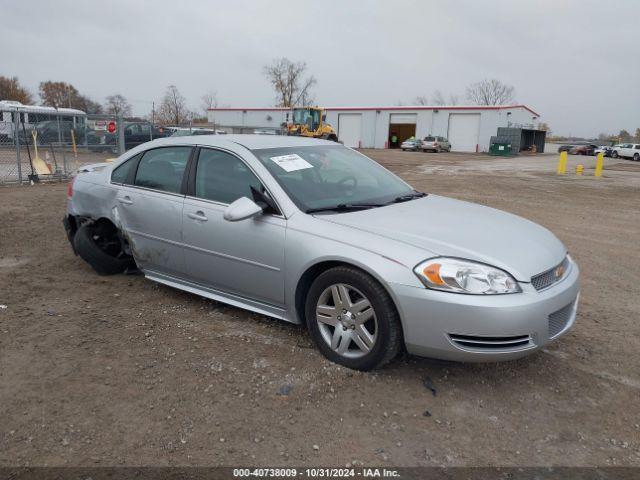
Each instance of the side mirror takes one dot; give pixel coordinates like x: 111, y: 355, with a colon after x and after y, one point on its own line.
x: 241, y: 209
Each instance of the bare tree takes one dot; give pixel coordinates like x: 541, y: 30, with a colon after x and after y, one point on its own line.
x: 10, y: 89
x: 173, y: 108
x: 421, y: 100
x: 437, y: 98
x: 209, y: 101
x: 117, y: 105
x: 87, y: 105
x: 545, y: 127
x: 490, y: 92
x: 624, y: 136
x: 289, y: 82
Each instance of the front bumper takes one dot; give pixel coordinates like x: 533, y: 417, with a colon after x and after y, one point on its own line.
x: 479, y: 328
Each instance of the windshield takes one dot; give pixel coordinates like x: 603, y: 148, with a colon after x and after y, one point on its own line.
x: 328, y: 176
x: 306, y: 116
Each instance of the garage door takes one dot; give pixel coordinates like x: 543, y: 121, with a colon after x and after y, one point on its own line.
x: 464, y: 131
x: 350, y: 129
x: 403, y: 118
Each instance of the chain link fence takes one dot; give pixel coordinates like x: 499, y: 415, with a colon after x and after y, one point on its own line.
x: 47, y: 144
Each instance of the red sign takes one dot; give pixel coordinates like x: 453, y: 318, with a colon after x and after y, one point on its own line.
x: 111, y: 127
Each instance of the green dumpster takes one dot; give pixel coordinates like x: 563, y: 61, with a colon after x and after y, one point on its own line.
x: 502, y: 149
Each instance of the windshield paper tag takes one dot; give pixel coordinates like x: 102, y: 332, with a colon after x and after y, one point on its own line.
x: 291, y: 163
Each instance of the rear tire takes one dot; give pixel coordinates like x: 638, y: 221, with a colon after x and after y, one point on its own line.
x: 99, y: 245
x: 636, y: 157
x: 372, y: 334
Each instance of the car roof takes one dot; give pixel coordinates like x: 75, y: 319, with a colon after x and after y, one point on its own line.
x: 252, y: 142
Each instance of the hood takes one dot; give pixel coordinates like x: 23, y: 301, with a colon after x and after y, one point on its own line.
x: 446, y: 227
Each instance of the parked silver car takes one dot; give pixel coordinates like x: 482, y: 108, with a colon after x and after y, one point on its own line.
x: 411, y: 144
x: 312, y: 232
x: 435, y: 144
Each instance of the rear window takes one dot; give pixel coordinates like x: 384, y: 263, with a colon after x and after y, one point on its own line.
x: 429, y: 139
x: 123, y: 173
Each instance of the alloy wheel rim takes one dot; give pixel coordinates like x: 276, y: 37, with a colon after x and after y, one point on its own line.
x: 346, y: 320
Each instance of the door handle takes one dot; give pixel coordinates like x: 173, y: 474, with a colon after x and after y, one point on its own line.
x: 199, y: 215
x: 126, y: 200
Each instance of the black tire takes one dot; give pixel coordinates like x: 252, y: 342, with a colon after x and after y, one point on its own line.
x: 389, y: 330
x: 99, y: 246
x: 636, y: 157
x: 614, y: 154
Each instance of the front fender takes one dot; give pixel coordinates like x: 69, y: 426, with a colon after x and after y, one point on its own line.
x: 305, y: 250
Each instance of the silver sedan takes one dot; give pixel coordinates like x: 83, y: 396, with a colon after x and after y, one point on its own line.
x: 315, y: 233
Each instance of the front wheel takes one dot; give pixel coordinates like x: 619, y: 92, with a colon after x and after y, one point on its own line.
x: 636, y: 157
x: 614, y: 154
x: 352, y: 319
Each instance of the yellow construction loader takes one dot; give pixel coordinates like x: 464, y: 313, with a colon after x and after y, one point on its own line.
x: 310, y: 122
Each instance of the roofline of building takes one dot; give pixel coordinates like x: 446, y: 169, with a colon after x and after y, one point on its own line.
x: 416, y: 107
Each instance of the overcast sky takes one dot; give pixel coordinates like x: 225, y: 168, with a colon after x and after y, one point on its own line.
x: 577, y: 63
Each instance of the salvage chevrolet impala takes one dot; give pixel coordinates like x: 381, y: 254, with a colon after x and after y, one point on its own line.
x: 315, y: 233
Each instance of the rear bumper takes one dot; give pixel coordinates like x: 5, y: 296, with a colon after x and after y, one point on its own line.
x: 70, y: 227
x: 480, y: 328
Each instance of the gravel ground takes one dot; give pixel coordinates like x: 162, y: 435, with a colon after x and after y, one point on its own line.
x: 121, y: 371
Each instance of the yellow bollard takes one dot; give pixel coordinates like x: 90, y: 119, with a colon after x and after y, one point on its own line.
x: 73, y: 143
x: 579, y: 169
x: 562, y: 164
x: 599, y: 165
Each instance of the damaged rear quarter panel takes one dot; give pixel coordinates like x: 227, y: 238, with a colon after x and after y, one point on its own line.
x: 94, y: 197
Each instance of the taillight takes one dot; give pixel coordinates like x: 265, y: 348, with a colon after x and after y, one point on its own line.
x: 435, y: 144
x: 70, y: 188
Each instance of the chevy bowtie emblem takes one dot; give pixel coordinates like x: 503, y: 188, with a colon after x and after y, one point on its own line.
x: 559, y: 271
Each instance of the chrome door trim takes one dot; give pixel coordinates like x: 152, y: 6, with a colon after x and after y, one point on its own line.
x: 153, y: 237
x: 230, y: 257
x: 204, y: 250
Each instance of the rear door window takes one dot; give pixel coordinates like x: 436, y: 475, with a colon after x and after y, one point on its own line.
x: 163, y: 168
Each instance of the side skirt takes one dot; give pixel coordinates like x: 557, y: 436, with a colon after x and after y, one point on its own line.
x: 220, y: 296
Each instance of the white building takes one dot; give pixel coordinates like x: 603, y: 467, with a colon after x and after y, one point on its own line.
x: 468, y: 128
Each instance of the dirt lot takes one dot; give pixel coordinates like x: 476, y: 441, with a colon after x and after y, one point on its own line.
x: 120, y: 371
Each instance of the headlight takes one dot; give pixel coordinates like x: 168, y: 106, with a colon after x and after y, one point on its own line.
x: 464, y: 276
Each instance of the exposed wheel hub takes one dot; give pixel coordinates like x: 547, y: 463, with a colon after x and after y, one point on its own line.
x: 347, y: 320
